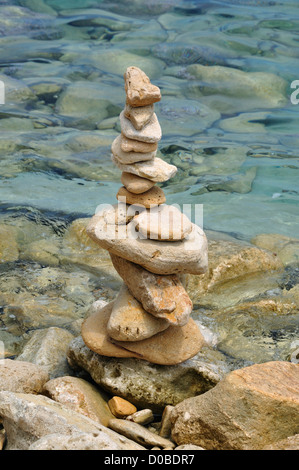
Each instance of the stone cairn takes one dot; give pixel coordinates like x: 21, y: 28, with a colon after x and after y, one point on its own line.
x: 151, y: 245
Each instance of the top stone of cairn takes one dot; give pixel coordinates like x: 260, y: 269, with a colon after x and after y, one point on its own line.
x: 139, y: 90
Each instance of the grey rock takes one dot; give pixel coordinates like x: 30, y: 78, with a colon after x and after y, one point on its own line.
x: 148, y: 385
x: 20, y: 376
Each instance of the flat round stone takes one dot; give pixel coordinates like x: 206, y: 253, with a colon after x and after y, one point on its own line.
x: 140, y: 116
x: 163, y: 223
x: 136, y: 184
x: 130, y: 145
x: 189, y: 255
x: 129, y: 157
x: 170, y: 347
x: 150, y: 198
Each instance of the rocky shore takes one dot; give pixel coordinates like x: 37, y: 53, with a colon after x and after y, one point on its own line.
x: 141, y: 345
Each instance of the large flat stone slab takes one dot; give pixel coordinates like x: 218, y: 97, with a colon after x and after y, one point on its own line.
x: 161, y: 257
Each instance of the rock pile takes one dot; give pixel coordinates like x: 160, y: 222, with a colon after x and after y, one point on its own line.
x: 150, y: 244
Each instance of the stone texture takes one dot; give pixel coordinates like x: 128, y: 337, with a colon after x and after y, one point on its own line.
x: 130, y: 322
x: 139, y: 433
x: 130, y: 145
x: 150, y: 133
x: 20, y: 376
x: 172, y: 346
x: 165, y: 429
x: 28, y: 417
x: 47, y: 348
x: 249, y: 409
x: 150, y: 198
x: 163, y: 223
x: 135, y: 184
x: 162, y: 296
x: 140, y: 91
x: 188, y: 447
x: 76, y: 441
x: 121, y: 408
x: 149, y: 385
x: 156, y: 170
x: 187, y: 256
x: 143, y: 417
x: 80, y: 396
x: 9, y: 250
x: 95, y: 335
x: 139, y: 116
x: 289, y: 443
x: 117, y: 214
x: 127, y: 158
x: 286, y: 248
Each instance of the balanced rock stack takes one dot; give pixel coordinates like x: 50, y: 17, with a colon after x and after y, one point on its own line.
x: 151, y: 244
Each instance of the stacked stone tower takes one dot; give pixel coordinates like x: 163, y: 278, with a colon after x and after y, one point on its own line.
x: 151, y: 244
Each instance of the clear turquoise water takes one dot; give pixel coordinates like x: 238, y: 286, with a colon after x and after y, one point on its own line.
x: 236, y: 148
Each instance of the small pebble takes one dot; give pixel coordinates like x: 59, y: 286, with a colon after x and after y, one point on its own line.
x: 142, y: 417
x: 165, y: 429
x: 121, y: 408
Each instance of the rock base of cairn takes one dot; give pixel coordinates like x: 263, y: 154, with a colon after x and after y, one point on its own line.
x: 151, y: 245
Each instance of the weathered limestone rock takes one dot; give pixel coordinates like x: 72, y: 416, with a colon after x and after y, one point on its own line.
x: 165, y: 429
x: 28, y: 418
x: 139, y: 433
x: 130, y: 145
x: 136, y: 184
x: 150, y: 133
x: 143, y: 417
x: 153, y: 197
x: 156, y: 170
x: 249, y: 409
x: 163, y: 223
x: 160, y: 257
x: 140, y: 116
x: 162, y: 296
x: 289, y: 443
x: 80, y: 396
x: 121, y: 408
x: 130, y: 322
x: 149, y: 385
x: 127, y: 158
x: 139, y: 90
x: 23, y: 377
x: 118, y: 214
x: 76, y: 441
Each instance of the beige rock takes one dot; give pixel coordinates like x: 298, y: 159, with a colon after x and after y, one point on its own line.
x: 135, y: 184
x: 139, y: 116
x: 9, y: 250
x: 118, y: 214
x: 130, y: 145
x: 286, y: 248
x: 185, y: 256
x: 165, y: 429
x: 249, y: 409
x: 95, y: 335
x: 130, y: 322
x: 139, y: 433
x: 81, y: 396
x: 150, y: 198
x: 76, y: 441
x: 162, y: 296
x: 170, y: 347
x: 150, y: 133
x: 120, y: 407
x: 289, y: 443
x: 163, y: 223
x: 129, y: 157
x: 188, y: 447
x: 139, y: 90
x: 28, y: 418
x: 20, y: 376
x: 143, y: 417
x: 156, y: 170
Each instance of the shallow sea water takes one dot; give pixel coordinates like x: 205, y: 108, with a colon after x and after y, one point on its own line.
x: 233, y: 133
